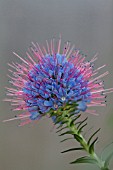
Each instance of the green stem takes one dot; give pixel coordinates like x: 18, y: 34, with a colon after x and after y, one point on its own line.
x: 63, y: 116
x: 84, y: 144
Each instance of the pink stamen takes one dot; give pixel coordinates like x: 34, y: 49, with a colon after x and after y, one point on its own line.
x: 59, y: 44
x: 103, y: 90
x: 48, y: 47
x: 53, y: 48
x: 40, y: 50
x: 94, y: 58
x: 16, y: 118
x: 11, y: 66
x: 99, y: 68
x: 36, y: 54
x: 71, y: 50
x: 30, y: 58
x: 44, y: 49
x: 93, y: 112
x: 20, y: 58
x: 108, y: 92
x: 91, y: 105
x: 102, y: 75
x: 68, y: 48
x: 51, y: 43
x: 25, y: 122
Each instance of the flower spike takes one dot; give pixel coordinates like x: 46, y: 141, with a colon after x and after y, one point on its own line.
x: 52, y: 78
x: 60, y: 84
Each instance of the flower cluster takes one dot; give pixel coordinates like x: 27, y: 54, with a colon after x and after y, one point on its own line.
x: 49, y: 78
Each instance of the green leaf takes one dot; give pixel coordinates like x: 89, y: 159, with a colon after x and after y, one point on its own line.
x: 107, y: 161
x: 73, y: 120
x: 84, y: 159
x: 75, y: 117
x: 77, y: 137
x: 65, y: 121
x: 79, y: 131
x: 91, y: 148
x: 58, y: 120
x: 65, y: 139
x: 71, y: 110
x: 71, y: 114
x: 59, y: 126
x: 68, y: 132
x: 93, y: 136
x: 72, y: 149
x: 81, y: 122
x: 61, y: 129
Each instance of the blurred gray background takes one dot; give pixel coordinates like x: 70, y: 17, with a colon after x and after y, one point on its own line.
x: 86, y: 23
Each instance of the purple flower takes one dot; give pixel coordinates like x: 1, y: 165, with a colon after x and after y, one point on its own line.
x: 51, y: 78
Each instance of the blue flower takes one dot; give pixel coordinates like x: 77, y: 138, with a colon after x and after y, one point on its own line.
x: 54, y: 79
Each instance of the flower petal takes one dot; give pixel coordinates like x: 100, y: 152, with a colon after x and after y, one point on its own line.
x: 48, y: 103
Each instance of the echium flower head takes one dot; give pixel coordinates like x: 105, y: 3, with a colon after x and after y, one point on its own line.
x: 49, y: 78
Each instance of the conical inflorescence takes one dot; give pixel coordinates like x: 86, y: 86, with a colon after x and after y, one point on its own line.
x: 50, y: 78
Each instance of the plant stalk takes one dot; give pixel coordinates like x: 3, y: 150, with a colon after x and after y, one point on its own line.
x: 63, y: 117
x: 84, y: 144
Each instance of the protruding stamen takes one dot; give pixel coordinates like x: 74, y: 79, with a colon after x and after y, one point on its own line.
x: 102, y: 75
x: 99, y: 68
x: 48, y: 47
x: 59, y: 44
x: 16, y: 118
x: 20, y: 58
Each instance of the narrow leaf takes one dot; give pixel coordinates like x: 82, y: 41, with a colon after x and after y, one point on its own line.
x: 61, y: 129
x: 84, y: 159
x: 74, y: 119
x: 65, y: 121
x: 77, y: 137
x: 71, y: 114
x: 65, y: 133
x: 59, y: 126
x: 81, y: 122
x: 93, y: 136
x: 58, y: 120
x: 91, y: 148
x: 82, y: 128
x: 72, y: 149
x: 65, y: 139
